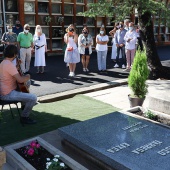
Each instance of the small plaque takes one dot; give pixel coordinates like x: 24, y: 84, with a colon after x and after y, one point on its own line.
x: 11, y: 6
x: 29, y: 7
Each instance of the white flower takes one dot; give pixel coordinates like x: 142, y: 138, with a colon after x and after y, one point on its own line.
x: 48, y: 159
x: 56, y: 156
x: 48, y: 164
x: 62, y: 164
x: 55, y: 159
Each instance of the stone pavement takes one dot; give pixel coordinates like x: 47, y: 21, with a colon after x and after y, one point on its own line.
x: 56, y: 80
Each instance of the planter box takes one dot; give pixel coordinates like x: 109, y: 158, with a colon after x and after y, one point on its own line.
x: 19, y: 163
x: 164, y: 119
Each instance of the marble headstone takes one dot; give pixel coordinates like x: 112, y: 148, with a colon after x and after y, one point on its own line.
x: 121, y: 141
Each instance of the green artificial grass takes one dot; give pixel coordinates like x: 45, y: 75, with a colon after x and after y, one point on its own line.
x: 51, y: 116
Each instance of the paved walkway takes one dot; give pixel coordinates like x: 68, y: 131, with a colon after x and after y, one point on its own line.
x: 56, y: 80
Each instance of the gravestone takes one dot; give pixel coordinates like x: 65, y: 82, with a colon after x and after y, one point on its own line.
x: 122, y: 141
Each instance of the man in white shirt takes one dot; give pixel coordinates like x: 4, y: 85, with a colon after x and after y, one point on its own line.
x: 130, y: 45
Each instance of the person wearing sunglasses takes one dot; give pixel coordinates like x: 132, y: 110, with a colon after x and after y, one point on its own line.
x: 85, y: 42
x: 72, y: 55
x: 25, y: 43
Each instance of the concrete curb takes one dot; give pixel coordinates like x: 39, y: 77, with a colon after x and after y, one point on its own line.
x: 72, y: 93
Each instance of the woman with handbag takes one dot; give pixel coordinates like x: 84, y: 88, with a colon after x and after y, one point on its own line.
x: 85, y: 42
x: 72, y: 55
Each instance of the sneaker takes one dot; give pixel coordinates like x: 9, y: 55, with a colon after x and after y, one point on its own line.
x: 70, y: 74
x: 116, y: 66
x: 84, y: 69
x: 27, y: 120
x: 87, y: 69
x: 123, y: 66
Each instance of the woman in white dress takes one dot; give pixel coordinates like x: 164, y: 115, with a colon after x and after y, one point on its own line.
x: 40, y: 45
x: 114, y: 48
x: 72, y: 55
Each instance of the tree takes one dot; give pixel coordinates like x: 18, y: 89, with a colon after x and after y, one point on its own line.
x: 146, y: 10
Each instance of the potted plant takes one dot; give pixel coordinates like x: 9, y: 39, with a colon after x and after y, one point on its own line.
x: 137, y: 79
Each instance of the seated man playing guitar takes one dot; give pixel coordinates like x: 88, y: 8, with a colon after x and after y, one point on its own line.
x: 9, y: 77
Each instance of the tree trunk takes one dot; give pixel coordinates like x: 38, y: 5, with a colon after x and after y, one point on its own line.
x: 147, y: 35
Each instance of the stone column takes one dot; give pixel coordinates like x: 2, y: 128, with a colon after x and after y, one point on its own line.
x: 2, y: 157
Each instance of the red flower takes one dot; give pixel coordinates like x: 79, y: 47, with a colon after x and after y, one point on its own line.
x: 37, y: 145
x: 33, y: 144
x: 30, y: 151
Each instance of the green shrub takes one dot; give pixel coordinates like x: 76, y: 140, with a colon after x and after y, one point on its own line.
x: 138, y: 75
x: 150, y: 115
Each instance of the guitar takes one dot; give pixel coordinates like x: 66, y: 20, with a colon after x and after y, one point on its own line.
x: 24, y: 87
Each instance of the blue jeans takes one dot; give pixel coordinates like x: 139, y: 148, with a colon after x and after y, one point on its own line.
x: 28, y: 99
x: 101, y: 60
x: 123, y: 55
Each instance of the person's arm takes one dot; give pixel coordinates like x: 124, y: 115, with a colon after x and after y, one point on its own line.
x: 18, y: 40
x: 91, y: 42
x: 45, y: 43
x: 106, y: 40
x: 115, y: 39
x: 3, y: 39
x: 97, y: 40
x: 66, y: 38
x: 79, y: 41
x: 22, y: 79
x: 75, y: 38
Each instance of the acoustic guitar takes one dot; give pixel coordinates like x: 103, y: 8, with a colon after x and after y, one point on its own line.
x: 24, y: 87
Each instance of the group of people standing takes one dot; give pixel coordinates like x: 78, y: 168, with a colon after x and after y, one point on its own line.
x: 26, y: 43
x: 81, y: 46
x: 124, y: 43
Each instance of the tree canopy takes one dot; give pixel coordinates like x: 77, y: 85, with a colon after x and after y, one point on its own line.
x: 122, y: 8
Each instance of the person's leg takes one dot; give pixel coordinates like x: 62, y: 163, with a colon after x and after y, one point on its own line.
x: 87, y: 62
x: 128, y: 58
x: 117, y: 55
x: 22, y: 57
x: 104, y: 56
x: 132, y: 55
x: 83, y: 62
x: 123, y: 55
x: 74, y: 68
x: 28, y: 59
x: 71, y: 68
x: 42, y: 69
x: 28, y: 99
x: 38, y: 69
x: 99, y: 58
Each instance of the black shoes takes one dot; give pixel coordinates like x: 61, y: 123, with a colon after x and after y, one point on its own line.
x: 27, y: 120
